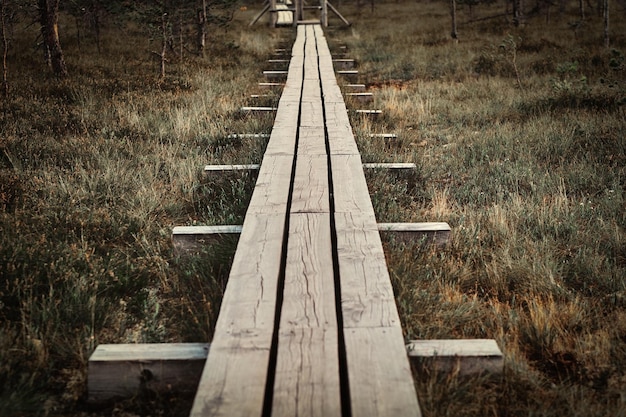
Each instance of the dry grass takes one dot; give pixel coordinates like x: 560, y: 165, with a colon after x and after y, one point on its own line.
x: 531, y: 177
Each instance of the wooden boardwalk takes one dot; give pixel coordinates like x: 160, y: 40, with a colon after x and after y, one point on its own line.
x: 308, y: 324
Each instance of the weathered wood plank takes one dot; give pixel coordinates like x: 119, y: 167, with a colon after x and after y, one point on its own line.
x: 348, y: 73
x: 233, y: 381
x: 438, y: 233
x: 192, y: 238
x: 309, y: 293
x: 384, y: 135
x: 258, y: 109
x: 391, y: 165
x: 125, y: 370
x: 310, y: 187
x: 367, y: 298
x: 343, y: 63
x: 351, y: 192
x: 368, y: 112
x: 465, y: 356
x: 248, y: 136
x: 230, y: 167
x: 355, y: 87
x: 383, y: 384
x: 275, y: 74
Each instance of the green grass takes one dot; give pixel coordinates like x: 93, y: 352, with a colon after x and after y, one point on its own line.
x: 518, y: 138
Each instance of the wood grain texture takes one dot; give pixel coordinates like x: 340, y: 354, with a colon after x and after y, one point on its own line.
x: 367, y: 298
x: 351, y: 192
x: 465, y: 357
x: 378, y: 364
x: 307, y: 374
x: 309, y: 294
x: 123, y: 370
x: 310, y: 187
x: 233, y: 381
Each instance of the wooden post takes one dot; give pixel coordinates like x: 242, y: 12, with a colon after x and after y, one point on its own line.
x: 273, y: 13
x: 453, y: 33
x: 324, y: 17
x: 299, y: 12
x: 605, y: 13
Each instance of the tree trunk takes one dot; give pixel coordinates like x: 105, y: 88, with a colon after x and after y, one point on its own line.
x: 95, y: 18
x: 164, y: 43
x: 201, y: 32
x: 49, y: 19
x: 517, y: 12
x: 453, y: 33
x: 5, y: 50
x: 605, y: 8
x: 581, y: 9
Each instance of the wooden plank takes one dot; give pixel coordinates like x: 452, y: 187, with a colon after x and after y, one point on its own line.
x: 464, y: 356
x: 348, y: 73
x: 310, y: 188
x: 258, y: 109
x: 230, y: 167
x: 307, y: 374
x: 368, y: 112
x: 367, y: 298
x: 351, y: 192
x: 363, y: 97
x: 355, y: 87
x: 309, y: 293
x: 124, y: 370
x: 383, y: 383
x: 384, y: 135
x: 271, y: 85
x: 343, y: 63
x: 312, y: 141
x: 391, y: 165
x: 275, y: 74
x: 193, y: 238
x: 437, y: 233
x: 233, y: 381
x: 248, y: 136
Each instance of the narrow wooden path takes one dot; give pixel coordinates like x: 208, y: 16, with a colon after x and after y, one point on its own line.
x: 308, y: 324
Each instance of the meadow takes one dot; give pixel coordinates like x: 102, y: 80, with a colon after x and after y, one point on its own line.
x: 518, y: 134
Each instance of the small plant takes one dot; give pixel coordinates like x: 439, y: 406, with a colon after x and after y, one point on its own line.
x: 509, y: 48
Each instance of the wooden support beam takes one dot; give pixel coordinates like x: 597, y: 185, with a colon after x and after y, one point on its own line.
x: 271, y: 85
x: 364, y: 97
x: 343, y: 63
x: 209, y: 169
x: 384, y: 135
x: 193, y: 238
x: 258, y: 16
x: 369, y: 112
x: 334, y: 10
x: 437, y: 233
x: 355, y: 87
x: 275, y: 74
x: 123, y: 370
x: 248, y: 136
x: 257, y: 109
x: 390, y: 165
x: 128, y: 370
x: 465, y: 356
x: 348, y: 73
